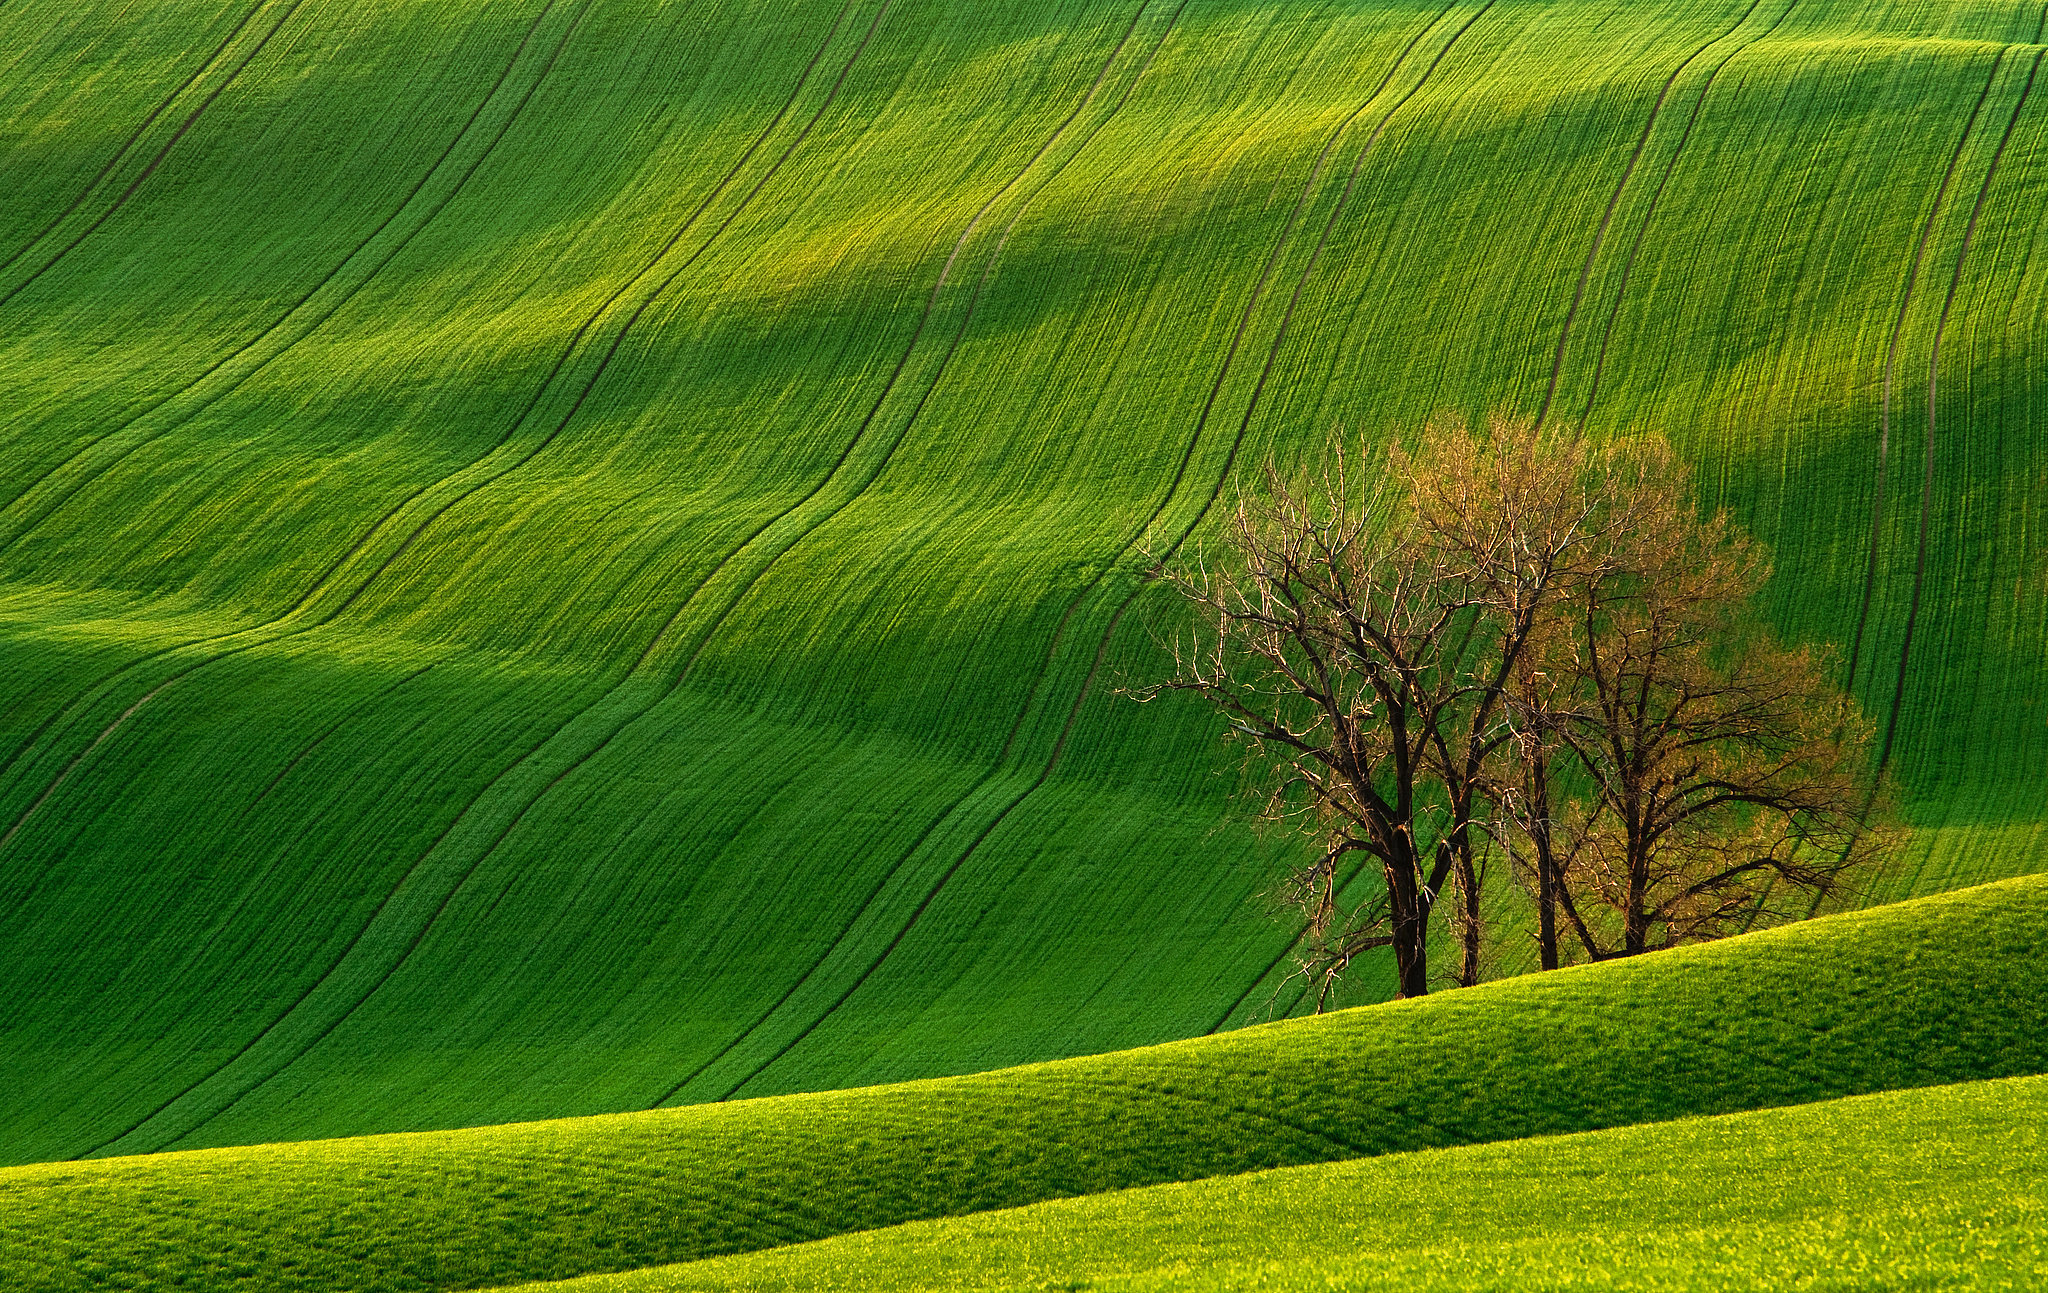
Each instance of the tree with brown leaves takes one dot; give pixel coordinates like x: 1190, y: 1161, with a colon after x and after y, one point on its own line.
x: 1419, y: 656
x: 1360, y: 634
x: 1691, y: 775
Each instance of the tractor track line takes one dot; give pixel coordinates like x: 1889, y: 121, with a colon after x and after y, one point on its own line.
x: 902, y: 362
x: 298, y: 1001
x: 1891, y: 355
x: 1343, y: 888
x: 569, y: 347
x: 1933, y: 378
x: 406, y: 544
x: 133, y: 138
x: 604, y: 744
x: 86, y: 482
x: 289, y: 9
x: 325, y: 1032
x: 946, y: 360
x: 930, y: 307
x: 1243, y: 427
x: 931, y: 894
x: 334, y: 567
x: 1628, y: 263
x: 519, y: 816
x: 1109, y: 633
x: 231, y: 919
x: 325, y: 279
x: 1059, y: 633
x: 322, y: 739
x: 1614, y: 203
x: 304, y: 600
x: 72, y: 766
x: 619, y: 338
x: 1223, y: 373
x: 534, y: 801
x: 1271, y: 966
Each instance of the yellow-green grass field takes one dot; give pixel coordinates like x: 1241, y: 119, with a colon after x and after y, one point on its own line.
x: 1940, y: 1188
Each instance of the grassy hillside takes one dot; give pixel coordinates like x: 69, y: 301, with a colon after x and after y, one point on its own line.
x: 565, y: 556
x: 1939, y: 1188
x: 1939, y: 990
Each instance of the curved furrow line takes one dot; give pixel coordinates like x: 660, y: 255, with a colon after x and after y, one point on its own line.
x: 420, y: 893
x: 590, y: 321
x: 634, y: 700
x: 1273, y: 965
x: 296, y: 1002
x: 902, y: 362
x: 110, y: 682
x: 64, y: 775
x: 874, y: 470
x: 742, y: 823
x: 1109, y: 632
x: 129, y: 143
x: 290, y: 7
x: 523, y: 763
x: 24, y: 527
x: 619, y: 338
x: 1614, y: 202
x: 1948, y: 302
x: 635, y: 705
x: 231, y: 920
x: 570, y: 346
x: 932, y: 892
x: 1891, y: 356
x: 1246, y: 995
x: 1628, y: 263
x: 1059, y: 633
x: 312, y: 746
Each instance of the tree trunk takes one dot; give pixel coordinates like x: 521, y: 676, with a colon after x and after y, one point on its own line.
x: 1546, y: 862
x: 1636, y: 921
x: 1411, y: 956
x: 1468, y: 920
x: 1408, y: 921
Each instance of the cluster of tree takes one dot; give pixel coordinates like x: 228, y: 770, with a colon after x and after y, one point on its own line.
x: 1515, y: 648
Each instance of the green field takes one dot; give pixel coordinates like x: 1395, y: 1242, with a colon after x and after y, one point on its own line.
x: 572, y: 557
x: 1943, y: 1188
x: 1940, y: 990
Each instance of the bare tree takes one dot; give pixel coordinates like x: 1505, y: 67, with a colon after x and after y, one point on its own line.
x: 1680, y: 768
x: 1360, y: 633
x: 1512, y: 638
x: 1519, y: 520
x: 1541, y: 846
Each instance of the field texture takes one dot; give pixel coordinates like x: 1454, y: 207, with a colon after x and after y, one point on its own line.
x: 1940, y: 990
x: 570, y: 556
x: 1944, y: 1188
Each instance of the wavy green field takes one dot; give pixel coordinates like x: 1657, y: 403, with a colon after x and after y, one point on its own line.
x: 1944, y: 990
x: 569, y: 557
x: 1940, y: 1189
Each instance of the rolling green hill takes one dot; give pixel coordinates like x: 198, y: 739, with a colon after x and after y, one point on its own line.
x: 570, y: 556
x: 1939, y: 990
x: 1941, y: 1188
